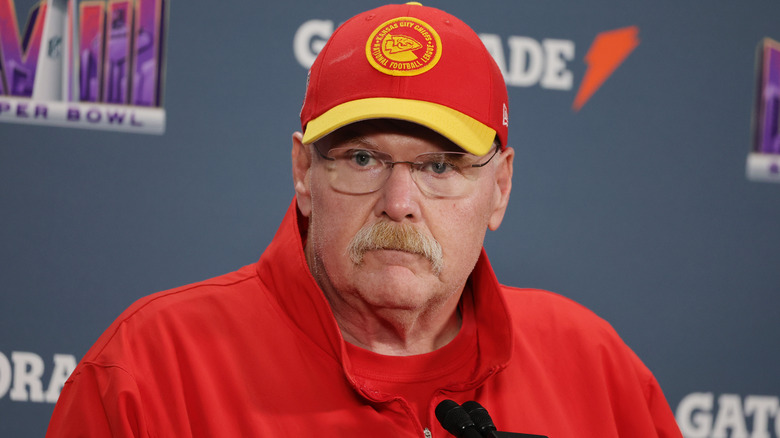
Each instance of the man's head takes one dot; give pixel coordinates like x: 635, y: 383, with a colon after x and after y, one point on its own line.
x: 403, y: 163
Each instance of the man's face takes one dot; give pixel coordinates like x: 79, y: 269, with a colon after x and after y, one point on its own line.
x: 388, y: 278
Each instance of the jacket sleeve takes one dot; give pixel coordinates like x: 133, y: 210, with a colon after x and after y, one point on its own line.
x: 661, y: 412
x: 98, y: 401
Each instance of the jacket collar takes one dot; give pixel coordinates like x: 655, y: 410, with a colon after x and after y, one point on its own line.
x: 283, y: 270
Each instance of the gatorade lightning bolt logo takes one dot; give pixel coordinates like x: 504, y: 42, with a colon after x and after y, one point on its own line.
x: 607, y: 52
x: 403, y: 46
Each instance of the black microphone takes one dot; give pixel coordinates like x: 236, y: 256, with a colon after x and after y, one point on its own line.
x: 456, y: 420
x: 484, y: 424
x: 479, y: 415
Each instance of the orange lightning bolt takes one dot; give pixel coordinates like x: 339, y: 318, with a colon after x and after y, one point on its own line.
x: 607, y: 52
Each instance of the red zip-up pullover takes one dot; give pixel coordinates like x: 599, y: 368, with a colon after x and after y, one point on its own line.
x: 258, y: 353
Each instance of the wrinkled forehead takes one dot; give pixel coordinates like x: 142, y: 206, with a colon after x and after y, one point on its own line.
x: 362, y: 133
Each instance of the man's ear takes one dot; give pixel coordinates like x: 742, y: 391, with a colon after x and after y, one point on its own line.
x: 301, y: 164
x: 503, y: 180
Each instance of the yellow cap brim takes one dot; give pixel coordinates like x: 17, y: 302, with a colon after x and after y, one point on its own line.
x: 466, y: 132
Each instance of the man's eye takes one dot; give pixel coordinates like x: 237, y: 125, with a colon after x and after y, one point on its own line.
x: 362, y: 158
x: 438, y: 167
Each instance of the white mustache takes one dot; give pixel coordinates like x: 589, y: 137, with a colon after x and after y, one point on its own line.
x: 401, y: 237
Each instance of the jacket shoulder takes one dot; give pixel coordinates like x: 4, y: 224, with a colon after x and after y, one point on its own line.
x: 177, y: 307
x: 552, y: 314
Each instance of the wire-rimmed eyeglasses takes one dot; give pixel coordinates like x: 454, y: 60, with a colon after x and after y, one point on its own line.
x: 438, y: 174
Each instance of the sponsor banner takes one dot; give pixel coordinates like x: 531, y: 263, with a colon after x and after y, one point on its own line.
x: 705, y: 415
x: 763, y: 162
x: 524, y: 61
x: 22, y: 376
x: 85, y: 64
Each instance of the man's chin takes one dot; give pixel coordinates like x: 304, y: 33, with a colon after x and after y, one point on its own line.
x: 394, y: 262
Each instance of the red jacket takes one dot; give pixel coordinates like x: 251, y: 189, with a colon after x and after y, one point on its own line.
x: 257, y: 352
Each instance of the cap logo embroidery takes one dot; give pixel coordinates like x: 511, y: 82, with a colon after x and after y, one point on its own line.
x: 403, y: 46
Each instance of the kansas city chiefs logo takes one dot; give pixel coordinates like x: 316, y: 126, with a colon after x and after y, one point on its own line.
x: 401, y: 47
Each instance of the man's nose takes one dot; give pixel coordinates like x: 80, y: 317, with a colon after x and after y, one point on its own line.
x: 400, y: 194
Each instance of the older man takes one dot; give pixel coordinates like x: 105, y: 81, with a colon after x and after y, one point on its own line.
x: 375, y: 301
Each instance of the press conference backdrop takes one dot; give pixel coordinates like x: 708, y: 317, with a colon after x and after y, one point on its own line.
x: 632, y: 125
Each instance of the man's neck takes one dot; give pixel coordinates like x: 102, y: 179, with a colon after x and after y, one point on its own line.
x: 400, y: 333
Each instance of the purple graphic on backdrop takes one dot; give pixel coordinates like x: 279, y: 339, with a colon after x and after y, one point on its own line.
x: 119, y: 57
x: 117, y: 52
x: 90, y: 50
x: 147, y: 68
x: 19, y: 56
x: 763, y: 162
x: 771, y: 136
x: 769, y: 142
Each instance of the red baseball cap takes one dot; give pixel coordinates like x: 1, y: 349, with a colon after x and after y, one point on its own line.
x: 408, y: 62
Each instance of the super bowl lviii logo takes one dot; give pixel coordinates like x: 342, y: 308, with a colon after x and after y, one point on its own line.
x: 85, y: 64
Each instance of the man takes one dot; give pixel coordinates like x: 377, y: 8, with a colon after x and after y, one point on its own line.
x: 375, y: 301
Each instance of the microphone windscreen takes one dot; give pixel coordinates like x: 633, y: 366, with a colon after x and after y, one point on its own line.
x: 479, y: 415
x: 453, y: 417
